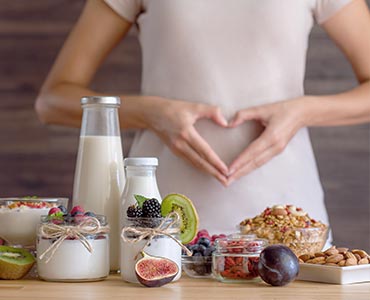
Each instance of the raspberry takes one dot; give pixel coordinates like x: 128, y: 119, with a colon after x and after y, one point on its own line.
x: 152, y: 208
x: 54, y: 210
x: 134, y: 212
x: 77, y: 210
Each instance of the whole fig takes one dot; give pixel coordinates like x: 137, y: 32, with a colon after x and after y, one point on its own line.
x: 278, y: 265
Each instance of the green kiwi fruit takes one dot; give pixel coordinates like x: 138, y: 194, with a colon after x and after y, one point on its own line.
x: 185, y: 208
x: 14, y: 262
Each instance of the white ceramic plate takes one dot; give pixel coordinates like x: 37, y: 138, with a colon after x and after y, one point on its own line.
x: 336, y: 275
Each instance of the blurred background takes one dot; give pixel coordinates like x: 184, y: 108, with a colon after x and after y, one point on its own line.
x: 40, y: 160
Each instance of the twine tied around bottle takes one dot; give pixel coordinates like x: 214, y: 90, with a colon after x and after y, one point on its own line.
x: 165, y: 228
x: 89, y: 226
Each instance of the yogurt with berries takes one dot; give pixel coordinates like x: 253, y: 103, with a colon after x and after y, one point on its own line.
x: 73, y: 262
x: 73, y: 247
x: 19, y: 218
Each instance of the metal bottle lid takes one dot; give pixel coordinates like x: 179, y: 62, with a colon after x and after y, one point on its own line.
x: 112, y: 100
x: 140, y: 161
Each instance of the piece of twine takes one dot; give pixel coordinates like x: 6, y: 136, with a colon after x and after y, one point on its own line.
x: 136, y: 234
x: 89, y: 226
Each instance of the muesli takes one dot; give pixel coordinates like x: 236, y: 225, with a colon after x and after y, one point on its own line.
x: 288, y: 225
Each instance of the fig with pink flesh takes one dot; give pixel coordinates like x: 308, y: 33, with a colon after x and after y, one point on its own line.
x: 153, y: 271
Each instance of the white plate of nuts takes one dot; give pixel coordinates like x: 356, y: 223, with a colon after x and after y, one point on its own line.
x: 335, y: 265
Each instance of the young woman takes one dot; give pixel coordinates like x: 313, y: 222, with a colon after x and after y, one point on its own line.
x: 222, y: 89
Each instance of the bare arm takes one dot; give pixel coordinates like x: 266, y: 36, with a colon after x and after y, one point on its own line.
x: 350, y: 29
x: 97, y: 32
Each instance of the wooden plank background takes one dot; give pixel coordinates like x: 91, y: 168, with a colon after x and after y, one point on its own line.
x: 35, y: 159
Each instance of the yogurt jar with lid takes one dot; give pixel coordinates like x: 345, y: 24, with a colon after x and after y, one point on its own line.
x: 76, y: 249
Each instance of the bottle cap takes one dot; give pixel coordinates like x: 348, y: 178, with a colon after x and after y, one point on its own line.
x: 140, y: 161
x: 112, y: 100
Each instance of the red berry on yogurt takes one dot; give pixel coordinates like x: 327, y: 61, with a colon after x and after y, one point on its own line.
x: 54, y: 210
x: 77, y: 210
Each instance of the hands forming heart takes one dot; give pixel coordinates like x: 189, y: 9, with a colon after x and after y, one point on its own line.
x: 175, y: 127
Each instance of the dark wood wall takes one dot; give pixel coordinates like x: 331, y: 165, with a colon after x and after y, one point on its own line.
x: 35, y: 159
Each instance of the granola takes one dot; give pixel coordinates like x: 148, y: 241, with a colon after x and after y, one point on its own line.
x: 288, y: 225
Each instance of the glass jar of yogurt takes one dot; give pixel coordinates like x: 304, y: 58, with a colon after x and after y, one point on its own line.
x: 159, y: 245
x: 73, y: 249
x: 236, y: 258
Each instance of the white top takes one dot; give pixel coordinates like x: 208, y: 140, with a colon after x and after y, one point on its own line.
x: 233, y: 54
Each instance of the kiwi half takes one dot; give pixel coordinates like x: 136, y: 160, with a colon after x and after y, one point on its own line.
x: 14, y: 262
x: 185, y: 208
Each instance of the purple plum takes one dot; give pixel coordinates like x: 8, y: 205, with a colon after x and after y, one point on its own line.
x: 278, y: 265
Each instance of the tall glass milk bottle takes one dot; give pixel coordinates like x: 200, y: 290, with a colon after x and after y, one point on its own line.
x: 99, y: 174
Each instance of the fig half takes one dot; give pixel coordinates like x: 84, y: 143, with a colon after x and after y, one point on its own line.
x: 153, y: 271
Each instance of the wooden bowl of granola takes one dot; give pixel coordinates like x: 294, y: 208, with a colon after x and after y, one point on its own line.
x: 290, y: 226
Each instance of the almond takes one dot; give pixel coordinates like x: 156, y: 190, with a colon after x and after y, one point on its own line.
x: 358, y: 257
x: 349, y: 255
x: 335, y: 258
x: 363, y: 261
x: 319, y: 254
x: 317, y: 260
x: 342, y: 250
x: 342, y: 263
x: 351, y: 262
x: 305, y: 257
x: 362, y: 253
x: 331, y: 251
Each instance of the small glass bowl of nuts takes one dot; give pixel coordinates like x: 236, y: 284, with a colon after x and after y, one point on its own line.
x: 290, y: 226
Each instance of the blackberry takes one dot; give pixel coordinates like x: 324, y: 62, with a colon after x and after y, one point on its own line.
x: 152, y: 208
x: 134, y: 212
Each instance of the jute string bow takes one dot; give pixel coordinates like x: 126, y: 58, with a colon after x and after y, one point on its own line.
x: 89, y: 226
x: 165, y: 228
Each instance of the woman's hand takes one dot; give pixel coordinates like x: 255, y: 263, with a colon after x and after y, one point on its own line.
x: 173, y: 121
x: 281, y: 121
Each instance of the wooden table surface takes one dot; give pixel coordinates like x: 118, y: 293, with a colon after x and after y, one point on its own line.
x: 185, y: 288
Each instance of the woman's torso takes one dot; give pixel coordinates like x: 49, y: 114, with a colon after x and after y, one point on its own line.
x: 233, y: 54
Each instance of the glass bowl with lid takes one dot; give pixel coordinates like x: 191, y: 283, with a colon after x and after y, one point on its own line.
x: 236, y: 258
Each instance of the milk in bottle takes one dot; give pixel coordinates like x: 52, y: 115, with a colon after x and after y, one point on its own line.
x: 99, y: 175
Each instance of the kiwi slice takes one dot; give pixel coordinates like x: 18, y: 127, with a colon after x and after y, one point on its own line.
x: 185, y: 208
x: 14, y: 262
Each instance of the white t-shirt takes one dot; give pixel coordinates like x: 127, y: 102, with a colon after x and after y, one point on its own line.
x: 233, y: 54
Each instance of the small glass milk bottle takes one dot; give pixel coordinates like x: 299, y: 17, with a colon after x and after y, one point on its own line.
x: 141, y: 180
x: 99, y: 174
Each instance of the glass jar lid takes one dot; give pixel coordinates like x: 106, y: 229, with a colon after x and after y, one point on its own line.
x: 240, y: 244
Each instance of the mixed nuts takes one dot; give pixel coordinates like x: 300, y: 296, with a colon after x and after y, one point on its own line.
x: 339, y: 257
